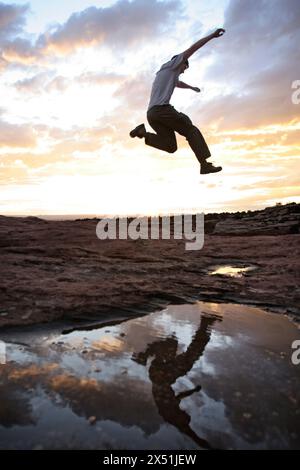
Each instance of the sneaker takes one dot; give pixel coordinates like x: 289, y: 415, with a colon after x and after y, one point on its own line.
x: 207, y: 168
x: 139, y: 132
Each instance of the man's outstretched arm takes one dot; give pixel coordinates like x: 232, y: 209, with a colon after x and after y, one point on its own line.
x: 195, y: 47
x: 180, y: 84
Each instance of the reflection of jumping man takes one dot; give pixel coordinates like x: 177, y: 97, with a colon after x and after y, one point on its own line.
x: 164, y: 118
x: 165, y: 369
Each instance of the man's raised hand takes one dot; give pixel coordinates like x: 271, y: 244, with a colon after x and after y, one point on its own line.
x: 219, y: 32
x: 191, y: 50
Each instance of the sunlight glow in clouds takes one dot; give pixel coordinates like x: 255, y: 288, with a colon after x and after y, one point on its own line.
x: 76, y: 77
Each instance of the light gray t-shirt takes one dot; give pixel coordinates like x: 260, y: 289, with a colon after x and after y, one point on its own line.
x: 165, y: 82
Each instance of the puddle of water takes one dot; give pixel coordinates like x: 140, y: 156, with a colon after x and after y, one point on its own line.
x: 188, y: 377
x: 231, y: 271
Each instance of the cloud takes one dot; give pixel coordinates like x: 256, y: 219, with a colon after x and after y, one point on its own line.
x: 257, y: 60
x: 12, y: 20
x: 34, y: 84
x: 122, y: 24
x: 87, y: 140
x: 13, y: 135
x: 12, y: 47
x: 135, y: 92
x: 19, y: 51
x: 3, y: 63
x: 100, y: 79
x: 46, y: 82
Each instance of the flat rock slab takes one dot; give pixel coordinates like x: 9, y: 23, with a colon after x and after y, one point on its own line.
x: 53, y: 270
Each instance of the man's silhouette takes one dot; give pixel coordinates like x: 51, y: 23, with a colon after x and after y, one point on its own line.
x: 167, y: 366
x: 164, y: 118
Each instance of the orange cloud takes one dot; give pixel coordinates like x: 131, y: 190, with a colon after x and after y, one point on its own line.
x: 13, y: 135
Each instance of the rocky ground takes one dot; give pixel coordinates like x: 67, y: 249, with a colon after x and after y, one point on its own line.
x: 54, y: 270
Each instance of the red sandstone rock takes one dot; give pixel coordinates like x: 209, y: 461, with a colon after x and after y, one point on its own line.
x: 59, y: 269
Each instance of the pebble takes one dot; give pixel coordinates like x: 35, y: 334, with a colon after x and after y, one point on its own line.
x: 26, y: 316
x: 92, y: 420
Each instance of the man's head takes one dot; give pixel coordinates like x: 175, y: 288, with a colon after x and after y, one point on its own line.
x: 185, y: 65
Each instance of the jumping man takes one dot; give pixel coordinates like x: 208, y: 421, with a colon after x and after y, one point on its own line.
x: 164, y: 118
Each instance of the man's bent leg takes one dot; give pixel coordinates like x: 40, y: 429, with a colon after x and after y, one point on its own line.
x: 164, y: 139
x: 157, y: 141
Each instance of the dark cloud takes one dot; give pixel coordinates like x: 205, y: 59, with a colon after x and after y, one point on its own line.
x: 12, y: 46
x: 122, y: 24
x: 12, y: 20
x: 20, y: 51
x: 259, y: 59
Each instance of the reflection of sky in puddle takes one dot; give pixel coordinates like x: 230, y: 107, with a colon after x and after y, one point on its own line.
x: 187, y: 377
x: 231, y: 271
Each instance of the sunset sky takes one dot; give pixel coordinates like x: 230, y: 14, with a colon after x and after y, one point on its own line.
x: 76, y: 77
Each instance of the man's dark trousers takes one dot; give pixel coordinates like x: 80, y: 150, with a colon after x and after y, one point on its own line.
x: 165, y: 120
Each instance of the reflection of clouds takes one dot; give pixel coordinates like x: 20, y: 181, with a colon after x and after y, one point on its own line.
x: 30, y: 372
x: 16, y: 409
x: 205, y: 366
x: 170, y: 325
x: 209, y: 389
x: 213, y: 416
x: 17, y: 385
x: 108, y: 343
x: 93, y: 342
x: 212, y: 308
x: 65, y: 382
x: 124, y: 399
x: 98, y: 383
